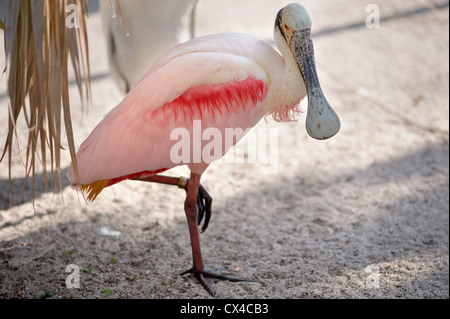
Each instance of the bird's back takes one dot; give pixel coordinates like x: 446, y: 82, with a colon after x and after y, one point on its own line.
x: 219, y: 80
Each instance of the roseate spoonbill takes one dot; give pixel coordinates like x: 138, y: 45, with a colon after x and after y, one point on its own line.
x: 224, y: 80
x: 153, y: 27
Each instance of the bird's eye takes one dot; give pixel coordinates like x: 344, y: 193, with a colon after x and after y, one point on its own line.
x: 286, y: 27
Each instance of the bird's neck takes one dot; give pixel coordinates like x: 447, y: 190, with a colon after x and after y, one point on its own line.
x: 289, y: 88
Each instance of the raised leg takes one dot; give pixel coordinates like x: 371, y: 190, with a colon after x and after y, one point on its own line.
x: 204, y: 200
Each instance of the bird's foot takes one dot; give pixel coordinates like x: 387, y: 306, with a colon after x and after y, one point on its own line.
x: 204, y: 202
x: 207, y: 277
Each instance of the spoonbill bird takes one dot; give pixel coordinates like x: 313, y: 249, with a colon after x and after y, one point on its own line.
x: 224, y: 81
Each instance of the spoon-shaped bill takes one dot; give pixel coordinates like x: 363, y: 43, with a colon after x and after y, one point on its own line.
x: 322, y: 121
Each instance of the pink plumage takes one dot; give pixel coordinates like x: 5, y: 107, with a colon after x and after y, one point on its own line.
x: 222, y: 90
x: 205, y: 87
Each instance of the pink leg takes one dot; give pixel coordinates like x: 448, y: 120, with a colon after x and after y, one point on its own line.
x: 191, y: 210
x: 196, y: 199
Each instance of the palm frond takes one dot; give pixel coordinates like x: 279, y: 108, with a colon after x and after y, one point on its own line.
x: 38, y: 43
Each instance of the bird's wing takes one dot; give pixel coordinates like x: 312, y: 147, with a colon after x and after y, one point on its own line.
x: 222, y: 90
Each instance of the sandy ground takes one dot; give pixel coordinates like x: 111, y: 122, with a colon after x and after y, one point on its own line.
x: 362, y: 215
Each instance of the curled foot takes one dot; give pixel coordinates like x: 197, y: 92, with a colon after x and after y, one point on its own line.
x: 204, y: 203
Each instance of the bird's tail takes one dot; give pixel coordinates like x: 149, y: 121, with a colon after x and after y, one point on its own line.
x: 92, y: 190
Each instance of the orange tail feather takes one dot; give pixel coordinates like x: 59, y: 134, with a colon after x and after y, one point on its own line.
x: 92, y: 190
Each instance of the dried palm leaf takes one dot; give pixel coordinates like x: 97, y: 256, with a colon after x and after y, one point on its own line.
x: 40, y: 35
x: 119, y: 9
x: 38, y: 42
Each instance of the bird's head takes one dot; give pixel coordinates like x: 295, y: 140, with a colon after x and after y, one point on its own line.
x: 294, y: 25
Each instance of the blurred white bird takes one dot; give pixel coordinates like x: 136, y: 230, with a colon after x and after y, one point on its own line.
x: 153, y: 27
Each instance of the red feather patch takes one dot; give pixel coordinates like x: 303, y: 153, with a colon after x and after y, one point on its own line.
x: 219, y: 99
